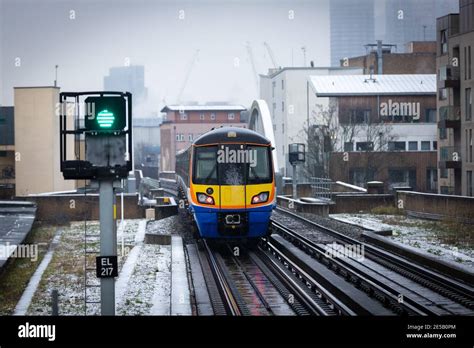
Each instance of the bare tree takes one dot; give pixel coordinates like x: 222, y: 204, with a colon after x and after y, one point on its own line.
x: 326, y: 134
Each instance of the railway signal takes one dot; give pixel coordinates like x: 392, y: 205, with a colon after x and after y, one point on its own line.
x: 296, y: 155
x: 105, y: 114
x: 106, y: 129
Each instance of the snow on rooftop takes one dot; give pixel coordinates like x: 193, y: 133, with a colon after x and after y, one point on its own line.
x: 346, y: 85
x: 212, y: 107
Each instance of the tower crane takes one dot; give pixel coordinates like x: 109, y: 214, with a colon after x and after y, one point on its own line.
x: 188, y: 73
x: 252, y: 62
x: 270, y: 53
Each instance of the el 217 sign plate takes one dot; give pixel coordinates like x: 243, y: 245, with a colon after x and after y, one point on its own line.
x: 106, y: 266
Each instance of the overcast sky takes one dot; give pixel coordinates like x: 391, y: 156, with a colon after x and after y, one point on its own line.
x: 105, y: 33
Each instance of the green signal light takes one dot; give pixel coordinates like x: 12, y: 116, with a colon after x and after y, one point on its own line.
x: 105, y: 119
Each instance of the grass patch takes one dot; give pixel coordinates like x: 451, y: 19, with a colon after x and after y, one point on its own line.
x: 16, y: 275
x: 386, y: 210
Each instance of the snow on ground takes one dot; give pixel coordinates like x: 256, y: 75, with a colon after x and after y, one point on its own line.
x: 362, y: 220
x: 448, y: 242
x: 65, y: 272
x: 138, y: 299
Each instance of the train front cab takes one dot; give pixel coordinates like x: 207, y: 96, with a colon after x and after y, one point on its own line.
x: 232, y: 200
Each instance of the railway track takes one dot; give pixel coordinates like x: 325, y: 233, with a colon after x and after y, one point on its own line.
x: 437, y: 293
x: 265, y: 281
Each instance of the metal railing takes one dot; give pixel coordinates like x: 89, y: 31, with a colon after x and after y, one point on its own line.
x: 450, y: 153
x: 321, y: 187
x: 449, y: 113
x: 449, y: 73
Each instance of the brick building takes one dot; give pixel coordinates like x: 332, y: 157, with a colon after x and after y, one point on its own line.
x: 455, y: 43
x: 184, y: 123
x: 420, y: 58
x: 384, y: 129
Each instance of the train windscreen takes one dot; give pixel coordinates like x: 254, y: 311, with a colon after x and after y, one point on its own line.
x: 205, y: 166
x: 259, y: 168
x: 232, y: 164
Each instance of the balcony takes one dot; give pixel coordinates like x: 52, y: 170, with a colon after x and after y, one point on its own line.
x: 449, y: 76
x: 450, y: 157
x: 449, y: 117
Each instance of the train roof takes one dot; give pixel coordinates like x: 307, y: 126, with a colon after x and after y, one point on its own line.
x: 221, y: 135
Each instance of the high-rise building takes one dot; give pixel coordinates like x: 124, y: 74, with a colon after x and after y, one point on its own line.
x: 355, y: 23
x: 412, y: 20
x: 455, y: 37
x: 127, y: 79
x: 351, y: 26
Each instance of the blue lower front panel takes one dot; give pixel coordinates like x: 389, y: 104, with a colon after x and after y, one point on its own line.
x: 254, y: 222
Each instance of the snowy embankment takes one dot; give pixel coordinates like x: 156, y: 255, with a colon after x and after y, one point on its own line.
x: 137, y: 288
x: 448, y: 242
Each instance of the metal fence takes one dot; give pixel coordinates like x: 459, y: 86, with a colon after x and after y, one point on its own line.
x: 321, y: 188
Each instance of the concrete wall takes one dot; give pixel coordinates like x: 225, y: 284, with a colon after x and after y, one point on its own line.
x: 437, y: 206
x: 76, y: 207
x: 37, y: 141
x: 355, y: 203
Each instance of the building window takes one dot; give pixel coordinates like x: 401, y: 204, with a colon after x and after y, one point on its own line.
x: 413, y: 146
x: 443, y: 133
x: 364, y: 146
x: 348, y: 146
x: 213, y: 116
x: 396, y: 146
x: 469, y: 62
x: 283, y: 106
x: 435, y: 145
x: 468, y: 97
x: 274, y: 106
x: 283, y: 128
x: 443, y: 94
x: 446, y: 190
x: 402, y: 177
x: 202, y: 117
x: 469, y: 183
x: 179, y: 137
x: 231, y: 116
x: 282, y: 84
x: 3, y: 120
x: 431, y: 179
x: 443, y: 173
x: 273, y: 89
x: 183, y: 116
x: 3, y: 154
x: 425, y: 146
x: 470, y: 145
x: 430, y: 115
x: 190, y: 137
x: 465, y: 62
x: 360, y: 176
x: 360, y: 116
x: 444, y: 41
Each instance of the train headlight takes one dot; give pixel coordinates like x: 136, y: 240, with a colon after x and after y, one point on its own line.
x: 262, y: 197
x: 204, y: 199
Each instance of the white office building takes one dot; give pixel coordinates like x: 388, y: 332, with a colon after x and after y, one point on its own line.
x: 287, y: 93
